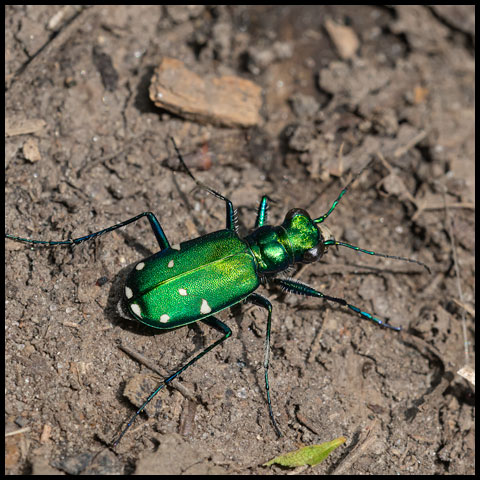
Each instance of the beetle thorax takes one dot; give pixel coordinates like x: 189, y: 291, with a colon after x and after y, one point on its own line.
x: 296, y: 240
x: 270, y: 248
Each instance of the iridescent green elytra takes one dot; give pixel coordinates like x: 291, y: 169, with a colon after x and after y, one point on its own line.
x: 195, y: 280
x: 201, y: 277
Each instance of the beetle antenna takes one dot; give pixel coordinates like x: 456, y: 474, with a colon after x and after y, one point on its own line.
x: 369, y: 252
x: 342, y: 193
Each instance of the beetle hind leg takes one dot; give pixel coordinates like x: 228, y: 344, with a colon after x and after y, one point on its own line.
x: 154, y: 223
x: 212, y: 322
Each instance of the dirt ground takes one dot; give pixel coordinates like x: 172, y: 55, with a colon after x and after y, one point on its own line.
x: 86, y: 148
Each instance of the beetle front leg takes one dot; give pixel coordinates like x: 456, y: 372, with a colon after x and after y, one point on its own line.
x: 300, y: 288
x: 262, y: 212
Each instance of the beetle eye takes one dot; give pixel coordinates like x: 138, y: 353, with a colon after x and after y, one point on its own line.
x: 312, y: 255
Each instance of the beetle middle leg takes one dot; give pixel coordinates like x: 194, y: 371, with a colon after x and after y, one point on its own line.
x: 231, y: 222
x: 263, y: 302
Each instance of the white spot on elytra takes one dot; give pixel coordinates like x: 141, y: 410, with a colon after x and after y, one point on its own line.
x: 164, y: 318
x: 128, y: 292
x: 140, y: 266
x: 136, y: 309
x: 170, y: 264
x: 205, y: 308
x: 182, y: 291
x: 176, y: 246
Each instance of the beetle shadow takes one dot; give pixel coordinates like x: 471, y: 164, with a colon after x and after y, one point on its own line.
x: 115, y: 310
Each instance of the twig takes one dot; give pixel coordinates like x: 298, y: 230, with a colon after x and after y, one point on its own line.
x: 451, y: 234
x: 363, y: 444
x: 148, y: 363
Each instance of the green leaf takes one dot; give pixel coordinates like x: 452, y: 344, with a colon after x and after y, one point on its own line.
x: 311, y: 455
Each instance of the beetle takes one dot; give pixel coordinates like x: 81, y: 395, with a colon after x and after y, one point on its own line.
x: 193, y: 281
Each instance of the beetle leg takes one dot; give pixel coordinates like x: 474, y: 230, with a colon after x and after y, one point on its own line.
x: 212, y: 322
x: 262, y: 212
x: 154, y: 223
x: 300, y: 288
x: 260, y: 301
x: 231, y: 222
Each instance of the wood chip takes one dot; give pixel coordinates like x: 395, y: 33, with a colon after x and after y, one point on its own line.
x: 228, y: 101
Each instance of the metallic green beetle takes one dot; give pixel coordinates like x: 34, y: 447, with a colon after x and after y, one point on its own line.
x: 201, y: 277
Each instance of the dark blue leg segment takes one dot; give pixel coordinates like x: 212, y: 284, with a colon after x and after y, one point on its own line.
x: 262, y: 212
x: 299, y: 288
x: 154, y: 223
x: 212, y: 322
x: 231, y: 223
x: 260, y: 301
